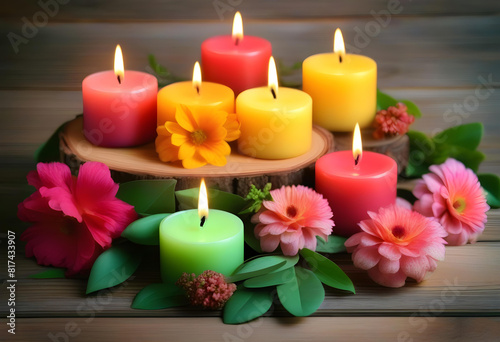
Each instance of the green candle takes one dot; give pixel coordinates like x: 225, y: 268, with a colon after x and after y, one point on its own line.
x: 185, y: 246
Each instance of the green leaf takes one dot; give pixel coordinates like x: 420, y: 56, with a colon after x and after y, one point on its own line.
x: 303, y: 295
x: 416, y: 170
x: 49, y: 150
x: 422, y: 149
x: 270, y: 279
x: 149, y: 196
x: 327, y: 271
x: 52, y: 273
x: 491, y: 185
x: 412, y: 108
x: 163, y: 75
x: 113, y: 267
x: 384, y: 101
x: 146, y: 230
x: 159, y: 296
x: 255, y: 197
x: 471, y: 159
x: 262, y: 265
x: 406, y: 194
x: 188, y: 199
x: 467, y: 136
x: 335, y: 244
x: 245, y: 305
x: 250, y: 238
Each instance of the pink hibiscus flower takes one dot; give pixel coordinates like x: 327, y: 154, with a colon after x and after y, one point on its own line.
x: 293, y: 219
x: 397, y: 243
x: 453, y: 195
x: 74, y: 218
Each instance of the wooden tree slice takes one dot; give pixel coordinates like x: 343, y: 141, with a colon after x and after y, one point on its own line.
x: 142, y: 162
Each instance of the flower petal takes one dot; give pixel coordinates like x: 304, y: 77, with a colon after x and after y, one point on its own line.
x: 389, y: 251
x: 269, y: 243
x: 186, y: 118
x: 366, y: 258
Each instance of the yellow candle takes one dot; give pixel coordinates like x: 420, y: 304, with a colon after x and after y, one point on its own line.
x: 343, y: 88
x: 275, y: 123
x: 195, y: 95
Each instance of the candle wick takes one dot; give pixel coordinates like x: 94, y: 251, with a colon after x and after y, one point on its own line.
x: 198, y: 89
x: 119, y: 79
x: 340, y: 58
x: 236, y: 41
x: 202, y: 221
x: 274, y: 93
x: 356, y: 161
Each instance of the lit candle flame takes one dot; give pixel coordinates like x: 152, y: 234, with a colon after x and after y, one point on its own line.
x: 357, y: 146
x: 119, y: 69
x: 203, y: 203
x: 197, y: 77
x: 338, y: 44
x: 272, y: 80
x: 237, y: 28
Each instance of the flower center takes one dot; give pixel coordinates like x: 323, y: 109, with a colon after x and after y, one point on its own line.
x: 459, y: 204
x: 291, y: 211
x: 198, y: 137
x: 398, y: 232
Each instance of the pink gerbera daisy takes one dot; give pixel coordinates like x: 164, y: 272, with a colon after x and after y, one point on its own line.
x: 452, y: 194
x: 74, y: 218
x: 293, y: 219
x: 397, y: 243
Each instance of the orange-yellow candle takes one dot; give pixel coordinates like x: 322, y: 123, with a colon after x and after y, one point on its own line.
x: 275, y: 123
x: 195, y: 94
x: 343, y: 88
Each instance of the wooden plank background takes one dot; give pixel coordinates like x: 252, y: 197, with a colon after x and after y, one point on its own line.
x: 441, y: 54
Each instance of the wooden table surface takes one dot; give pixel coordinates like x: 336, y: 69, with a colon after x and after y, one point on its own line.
x: 444, y: 55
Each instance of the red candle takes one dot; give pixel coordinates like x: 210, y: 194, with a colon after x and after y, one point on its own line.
x: 355, y: 183
x: 237, y: 61
x: 119, y: 107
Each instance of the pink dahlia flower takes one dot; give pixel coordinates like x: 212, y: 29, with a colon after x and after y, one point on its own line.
x: 209, y: 290
x: 453, y: 195
x: 392, y: 121
x: 397, y: 243
x: 74, y: 218
x: 293, y: 219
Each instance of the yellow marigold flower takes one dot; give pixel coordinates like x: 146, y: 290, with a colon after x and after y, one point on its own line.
x: 200, y: 137
x: 166, y: 151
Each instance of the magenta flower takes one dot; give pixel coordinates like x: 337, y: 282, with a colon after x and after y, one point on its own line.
x: 74, y: 218
x: 397, y: 243
x: 392, y: 121
x: 293, y: 219
x: 209, y: 290
x: 453, y: 195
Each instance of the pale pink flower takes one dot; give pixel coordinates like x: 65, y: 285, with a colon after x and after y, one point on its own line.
x: 453, y: 195
x: 74, y: 218
x: 293, y: 219
x: 397, y: 243
x: 209, y: 290
x: 401, y: 202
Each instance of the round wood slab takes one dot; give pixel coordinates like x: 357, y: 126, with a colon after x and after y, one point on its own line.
x: 142, y: 162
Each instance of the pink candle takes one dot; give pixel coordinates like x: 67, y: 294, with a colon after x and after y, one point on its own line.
x: 119, y: 107
x: 353, y: 190
x: 237, y: 61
